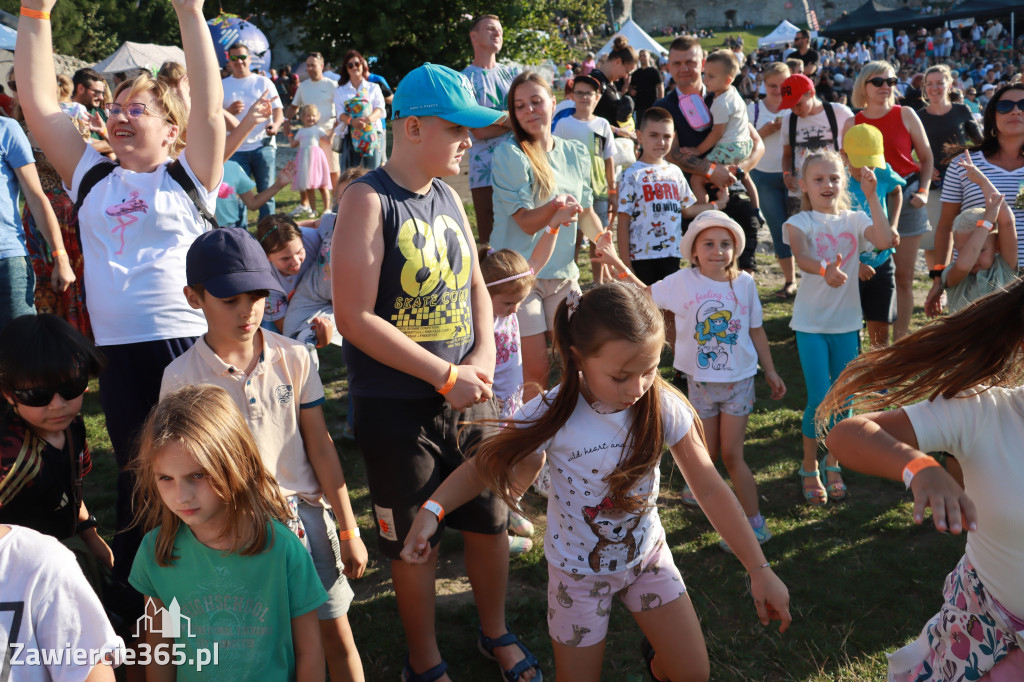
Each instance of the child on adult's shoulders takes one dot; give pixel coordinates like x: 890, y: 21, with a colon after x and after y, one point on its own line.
x: 986, y: 243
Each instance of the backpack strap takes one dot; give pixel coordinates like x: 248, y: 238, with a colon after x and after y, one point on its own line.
x: 792, y: 142
x: 90, y: 179
x: 180, y: 176
x: 757, y: 111
x: 830, y: 114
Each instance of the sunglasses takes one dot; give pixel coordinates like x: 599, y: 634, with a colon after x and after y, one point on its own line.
x: 878, y: 81
x: 132, y: 111
x: 41, y: 396
x: 355, y: 64
x: 1005, y: 106
x: 238, y: 57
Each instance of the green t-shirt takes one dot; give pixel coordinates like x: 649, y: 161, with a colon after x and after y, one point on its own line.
x: 241, y: 604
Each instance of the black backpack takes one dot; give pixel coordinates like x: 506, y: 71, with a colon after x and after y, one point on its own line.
x: 830, y: 114
x: 175, y: 170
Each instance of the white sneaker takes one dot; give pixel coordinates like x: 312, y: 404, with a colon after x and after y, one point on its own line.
x: 302, y: 212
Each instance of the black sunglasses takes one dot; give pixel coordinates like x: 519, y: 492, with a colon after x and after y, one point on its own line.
x: 1005, y: 106
x: 238, y: 57
x: 878, y: 81
x: 41, y: 396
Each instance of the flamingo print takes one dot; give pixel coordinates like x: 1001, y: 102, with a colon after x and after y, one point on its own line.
x: 123, y: 213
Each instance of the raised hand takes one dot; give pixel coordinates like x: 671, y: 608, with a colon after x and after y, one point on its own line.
x: 868, y: 181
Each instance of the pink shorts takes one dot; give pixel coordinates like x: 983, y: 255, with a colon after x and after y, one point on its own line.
x: 578, y: 605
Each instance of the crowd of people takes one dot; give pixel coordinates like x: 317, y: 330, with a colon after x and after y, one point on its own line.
x: 134, y: 263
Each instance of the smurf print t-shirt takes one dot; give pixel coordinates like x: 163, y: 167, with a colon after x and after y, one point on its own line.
x: 587, y: 533
x: 713, y: 323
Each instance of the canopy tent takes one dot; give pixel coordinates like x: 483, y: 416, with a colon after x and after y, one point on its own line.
x: 132, y: 56
x: 637, y: 37
x: 872, y: 15
x: 783, y: 33
x: 7, y: 37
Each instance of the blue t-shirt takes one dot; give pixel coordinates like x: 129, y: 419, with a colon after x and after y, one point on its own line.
x: 888, y: 180
x: 230, y: 209
x: 15, y: 152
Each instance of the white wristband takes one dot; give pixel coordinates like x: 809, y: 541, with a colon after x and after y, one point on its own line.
x: 434, y: 508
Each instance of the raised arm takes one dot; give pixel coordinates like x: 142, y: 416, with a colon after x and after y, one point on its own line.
x: 55, y: 133
x: 205, y: 148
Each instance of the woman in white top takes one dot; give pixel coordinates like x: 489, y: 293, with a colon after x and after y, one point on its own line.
x: 137, y: 222
x: 766, y: 116
x: 355, y: 84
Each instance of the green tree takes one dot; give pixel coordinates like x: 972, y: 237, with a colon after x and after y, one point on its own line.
x: 80, y: 27
x: 403, y: 34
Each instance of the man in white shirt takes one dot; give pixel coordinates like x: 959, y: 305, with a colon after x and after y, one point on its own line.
x: 258, y: 154
x: 317, y: 90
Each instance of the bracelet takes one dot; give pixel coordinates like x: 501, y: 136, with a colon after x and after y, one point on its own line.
x: 88, y: 524
x: 453, y: 374
x: 710, y: 170
x: 348, y: 534
x: 915, y: 465
x: 922, y: 192
x: 986, y: 224
x: 623, y: 275
x: 785, y: 173
x: 35, y: 14
x: 824, y: 267
x: 936, y: 272
x: 434, y: 508
x: 766, y: 564
x: 58, y: 252
x: 551, y: 229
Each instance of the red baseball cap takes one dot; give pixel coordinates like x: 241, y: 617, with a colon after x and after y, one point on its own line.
x: 793, y: 88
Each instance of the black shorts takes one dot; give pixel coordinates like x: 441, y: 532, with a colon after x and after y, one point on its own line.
x: 878, y: 294
x: 410, y: 447
x: 651, y: 270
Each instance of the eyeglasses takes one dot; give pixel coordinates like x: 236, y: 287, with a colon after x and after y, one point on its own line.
x: 1005, y: 106
x: 238, y: 57
x: 132, y: 111
x: 354, y: 64
x: 41, y: 396
x: 101, y: 91
x: 878, y: 81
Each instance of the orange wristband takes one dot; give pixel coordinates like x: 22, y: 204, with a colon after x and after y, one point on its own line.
x: 35, y: 14
x: 914, y: 466
x: 623, y: 275
x: 453, y: 375
x: 986, y: 224
x: 824, y: 266
x: 711, y: 169
x: 434, y: 508
x: 348, y: 534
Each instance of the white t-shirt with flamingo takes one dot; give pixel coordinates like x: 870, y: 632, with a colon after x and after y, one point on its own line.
x: 819, y: 308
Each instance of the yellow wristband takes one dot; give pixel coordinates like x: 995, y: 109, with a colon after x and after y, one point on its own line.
x: 348, y: 534
x: 35, y: 14
x: 914, y: 466
x: 453, y: 375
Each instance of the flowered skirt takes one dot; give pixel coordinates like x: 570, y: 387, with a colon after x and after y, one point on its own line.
x: 965, y: 640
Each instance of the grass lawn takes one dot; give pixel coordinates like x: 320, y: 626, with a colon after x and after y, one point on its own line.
x: 862, y: 577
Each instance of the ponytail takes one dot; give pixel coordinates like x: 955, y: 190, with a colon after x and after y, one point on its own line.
x: 543, y: 176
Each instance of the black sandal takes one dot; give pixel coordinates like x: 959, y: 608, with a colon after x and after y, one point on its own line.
x: 786, y: 292
x: 487, y: 646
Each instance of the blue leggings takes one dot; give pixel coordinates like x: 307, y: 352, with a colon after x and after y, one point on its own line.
x: 822, y: 358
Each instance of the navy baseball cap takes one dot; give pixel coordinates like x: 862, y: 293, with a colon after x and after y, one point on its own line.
x: 433, y: 90
x: 227, y: 262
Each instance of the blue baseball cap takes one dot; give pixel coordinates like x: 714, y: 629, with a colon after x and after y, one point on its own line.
x: 434, y: 90
x: 227, y: 262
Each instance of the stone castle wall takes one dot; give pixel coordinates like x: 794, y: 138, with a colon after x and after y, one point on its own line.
x: 656, y: 14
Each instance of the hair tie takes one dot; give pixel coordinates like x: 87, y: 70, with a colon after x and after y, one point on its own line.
x: 490, y: 251
x: 512, y: 278
x: 269, y: 232
x: 572, y: 301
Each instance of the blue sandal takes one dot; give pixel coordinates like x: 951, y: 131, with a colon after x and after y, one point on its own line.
x: 487, y: 646
x: 836, y: 489
x: 816, y: 497
x: 432, y: 675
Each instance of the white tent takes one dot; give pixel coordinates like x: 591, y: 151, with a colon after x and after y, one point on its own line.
x: 132, y: 56
x: 783, y: 33
x: 637, y: 37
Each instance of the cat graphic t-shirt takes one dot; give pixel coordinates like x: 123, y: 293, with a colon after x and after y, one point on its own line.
x: 713, y: 323
x: 587, y: 533
x: 819, y: 308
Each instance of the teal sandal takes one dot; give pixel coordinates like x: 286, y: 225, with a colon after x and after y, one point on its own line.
x: 836, y: 489
x: 817, y: 497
